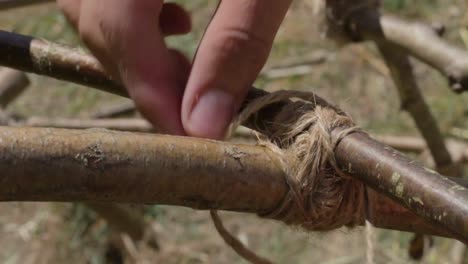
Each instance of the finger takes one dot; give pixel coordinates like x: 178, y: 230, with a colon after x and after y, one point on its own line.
x: 174, y: 20
x: 183, y: 67
x: 126, y: 36
x: 232, y: 53
x: 71, y: 9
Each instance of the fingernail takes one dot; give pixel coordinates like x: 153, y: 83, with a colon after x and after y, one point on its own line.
x: 211, y: 115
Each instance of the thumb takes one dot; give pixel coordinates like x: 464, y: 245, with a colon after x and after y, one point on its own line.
x: 231, y: 54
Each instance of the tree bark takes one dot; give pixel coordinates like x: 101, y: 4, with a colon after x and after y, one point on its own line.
x: 100, y: 166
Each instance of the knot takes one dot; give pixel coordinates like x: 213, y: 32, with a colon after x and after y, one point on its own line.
x: 304, y: 135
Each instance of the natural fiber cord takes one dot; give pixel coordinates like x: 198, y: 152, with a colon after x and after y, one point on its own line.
x: 321, y: 197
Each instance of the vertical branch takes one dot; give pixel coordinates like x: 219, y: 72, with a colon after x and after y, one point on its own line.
x: 413, y: 102
x: 125, y: 219
x: 12, y: 84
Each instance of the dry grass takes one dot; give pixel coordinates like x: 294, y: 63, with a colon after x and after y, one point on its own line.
x: 354, y: 77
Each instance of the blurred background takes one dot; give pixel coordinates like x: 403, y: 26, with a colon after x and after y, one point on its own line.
x: 354, y: 77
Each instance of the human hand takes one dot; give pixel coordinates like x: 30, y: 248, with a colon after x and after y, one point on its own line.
x: 127, y: 36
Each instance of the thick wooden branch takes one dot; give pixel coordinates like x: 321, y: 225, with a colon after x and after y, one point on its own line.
x: 43, y: 164
x: 457, y: 149
x: 9, y: 4
x: 430, y: 195
x: 108, y: 166
x: 418, y: 40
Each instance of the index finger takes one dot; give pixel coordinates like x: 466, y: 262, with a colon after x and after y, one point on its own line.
x: 230, y: 56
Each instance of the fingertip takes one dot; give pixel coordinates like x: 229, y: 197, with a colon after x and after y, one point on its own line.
x: 210, y: 115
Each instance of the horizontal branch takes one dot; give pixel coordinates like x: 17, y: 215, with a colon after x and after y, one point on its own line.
x: 39, y: 56
x: 9, y: 4
x: 121, y: 124
x: 43, y: 164
x: 108, y: 166
x: 457, y: 149
x: 437, y: 199
x: 418, y: 40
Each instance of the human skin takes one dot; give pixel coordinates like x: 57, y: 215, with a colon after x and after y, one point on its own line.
x: 196, y: 98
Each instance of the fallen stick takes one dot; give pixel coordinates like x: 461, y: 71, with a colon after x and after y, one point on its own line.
x: 12, y: 84
x: 44, y: 164
x: 9, y: 4
x: 437, y: 199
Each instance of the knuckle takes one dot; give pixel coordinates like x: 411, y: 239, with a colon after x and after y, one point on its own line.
x: 239, y: 42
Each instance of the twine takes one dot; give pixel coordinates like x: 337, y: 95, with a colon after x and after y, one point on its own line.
x: 320, y: 197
